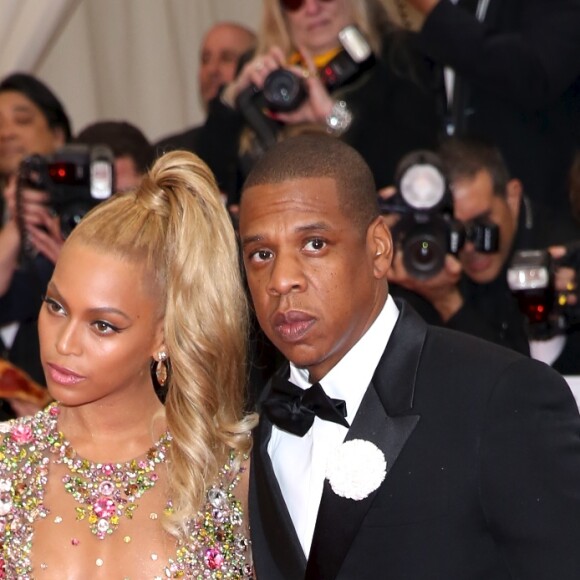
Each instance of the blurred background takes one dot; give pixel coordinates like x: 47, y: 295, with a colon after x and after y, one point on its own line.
x: 135, y: 60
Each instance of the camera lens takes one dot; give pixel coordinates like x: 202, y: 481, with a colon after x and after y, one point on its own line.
x: 424, y: 255
x: 283, y: 91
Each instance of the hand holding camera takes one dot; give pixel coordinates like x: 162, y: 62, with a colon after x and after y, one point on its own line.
x: 53, y: 193
x: 426, y: 230
x: 268, y: 88
x: 441, y: 290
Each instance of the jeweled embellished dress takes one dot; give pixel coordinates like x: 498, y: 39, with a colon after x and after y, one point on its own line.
x: 217, y: 547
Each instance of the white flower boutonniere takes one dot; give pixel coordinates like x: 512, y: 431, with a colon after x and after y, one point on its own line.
x: 356, y: 469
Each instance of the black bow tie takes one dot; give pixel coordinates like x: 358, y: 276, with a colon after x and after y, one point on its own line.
x: 293, y: 409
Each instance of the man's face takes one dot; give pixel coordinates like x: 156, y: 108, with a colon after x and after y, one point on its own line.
x: 474, y: 198
x: 317, y: 281
x: 221, y: 50
x: 24, y: 130
x: 127, y: 177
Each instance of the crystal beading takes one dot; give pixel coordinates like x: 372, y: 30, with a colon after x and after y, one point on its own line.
x: 108, y: 492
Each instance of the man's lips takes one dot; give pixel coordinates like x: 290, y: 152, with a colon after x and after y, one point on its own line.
x: 291, y: 326
x: 62, y: 375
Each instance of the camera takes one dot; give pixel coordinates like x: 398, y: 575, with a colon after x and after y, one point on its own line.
x: 530, y: 277
x: 427, y: 230
x: 76, y: 178
x: 284, y: 91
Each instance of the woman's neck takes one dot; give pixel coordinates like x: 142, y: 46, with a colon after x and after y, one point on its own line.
x: 112, y: 430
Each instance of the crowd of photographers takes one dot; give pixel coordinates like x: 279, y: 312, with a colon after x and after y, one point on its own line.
x: 475, y: 251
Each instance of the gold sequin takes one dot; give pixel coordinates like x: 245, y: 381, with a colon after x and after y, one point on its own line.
x: 127, y: 539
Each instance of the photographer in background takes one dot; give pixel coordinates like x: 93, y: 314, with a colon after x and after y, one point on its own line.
x: 222, y: 47
x: 32, y: 120
x: 517, y: 82
x: 384, y: 112
x: 470, y: 293
x: 133, y: 153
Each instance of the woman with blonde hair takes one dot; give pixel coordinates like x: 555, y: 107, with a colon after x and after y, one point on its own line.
x: 383, y: 112
x: 108, y: 482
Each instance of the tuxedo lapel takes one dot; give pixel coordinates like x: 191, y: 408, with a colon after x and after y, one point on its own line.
x: 380, y: 421
x: 277, y: 550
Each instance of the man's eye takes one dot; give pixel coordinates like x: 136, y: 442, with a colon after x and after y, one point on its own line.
x: 261, y: 255
x: 316, y: 244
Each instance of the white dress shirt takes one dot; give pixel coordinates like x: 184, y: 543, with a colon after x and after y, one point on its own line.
x: 300, y: 462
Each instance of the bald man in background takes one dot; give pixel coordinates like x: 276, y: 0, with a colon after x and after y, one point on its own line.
x: 221, y: 49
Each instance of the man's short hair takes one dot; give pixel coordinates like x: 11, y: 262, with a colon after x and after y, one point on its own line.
x: 124, y: 139
x: 464, y: 157
x: 317, y: 155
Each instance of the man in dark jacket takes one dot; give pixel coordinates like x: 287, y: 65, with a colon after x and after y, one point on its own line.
x: 388, y: 448
x: 518, y: 82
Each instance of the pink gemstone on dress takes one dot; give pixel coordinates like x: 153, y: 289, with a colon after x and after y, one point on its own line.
x: 54, y: 411
x: 213, y: 558
x: 21, y: 433
x: 75, y: 542
x: 108, y: 469
x: 104, y: 507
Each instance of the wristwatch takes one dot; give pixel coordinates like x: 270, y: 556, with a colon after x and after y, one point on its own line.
x: 339, y: 119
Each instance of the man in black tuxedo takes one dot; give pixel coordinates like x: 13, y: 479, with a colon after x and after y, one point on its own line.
x: 470, y: 453
x: 518, y: 82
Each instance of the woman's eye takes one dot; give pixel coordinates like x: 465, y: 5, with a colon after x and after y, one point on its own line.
x: 53, y: 306
x: 103, y: 327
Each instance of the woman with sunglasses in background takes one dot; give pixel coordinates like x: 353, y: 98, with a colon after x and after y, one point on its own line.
x: 384, y: 113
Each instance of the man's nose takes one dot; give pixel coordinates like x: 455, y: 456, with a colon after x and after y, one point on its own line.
x: 286, y: 275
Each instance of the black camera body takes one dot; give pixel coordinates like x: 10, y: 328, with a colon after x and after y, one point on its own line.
x: 530, y: 277
x: 427, y: 230
x: 76, y: 178
x: 284, y: 91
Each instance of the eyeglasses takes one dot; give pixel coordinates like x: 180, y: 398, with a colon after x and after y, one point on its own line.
x: 294, y: 5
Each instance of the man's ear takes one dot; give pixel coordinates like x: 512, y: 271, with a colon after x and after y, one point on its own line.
x: 380, y: 247
x: 514, y: 193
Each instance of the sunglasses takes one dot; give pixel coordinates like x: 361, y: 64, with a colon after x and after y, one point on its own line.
x: 294, y: 5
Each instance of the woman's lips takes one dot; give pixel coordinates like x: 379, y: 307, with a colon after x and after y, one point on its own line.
x: 293, y: 325
x: 63, y: 376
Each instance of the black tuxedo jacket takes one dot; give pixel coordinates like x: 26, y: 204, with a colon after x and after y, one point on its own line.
x: 483, y: 472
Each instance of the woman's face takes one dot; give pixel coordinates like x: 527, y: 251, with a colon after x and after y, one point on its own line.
x: 99, y: 327
x: 24, y: 130
x: 316, y: 24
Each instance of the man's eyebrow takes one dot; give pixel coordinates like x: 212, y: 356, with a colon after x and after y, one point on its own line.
x: 316, y: 226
